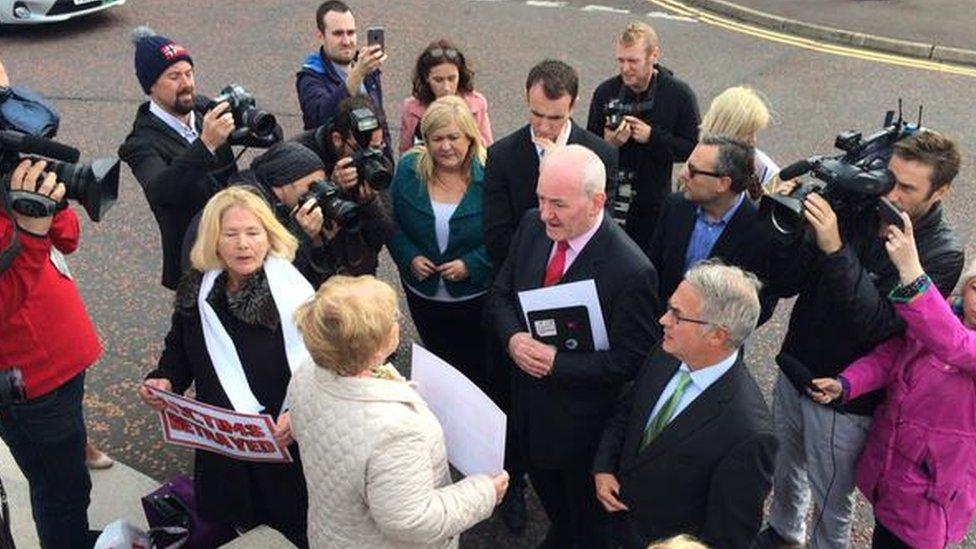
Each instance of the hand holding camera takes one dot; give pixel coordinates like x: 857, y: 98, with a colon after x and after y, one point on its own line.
x: 823, y: 219
x: 368, y: 60
x: 345, y: 174
x: 31, y: 177
x: 640, y: 131
x: 617, y: 135
x: 218, y: 124
x: 311, y: 219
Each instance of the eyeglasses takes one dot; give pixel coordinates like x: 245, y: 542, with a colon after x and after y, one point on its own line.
x: 679, y: 319
x: 693, y: 171
x: 449, y: 53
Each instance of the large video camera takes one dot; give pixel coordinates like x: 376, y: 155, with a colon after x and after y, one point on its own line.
x: 851, y: 182
x: 249, y: 119
x: 95, y: 186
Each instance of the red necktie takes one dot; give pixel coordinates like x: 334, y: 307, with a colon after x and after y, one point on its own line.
x: 557, y: 264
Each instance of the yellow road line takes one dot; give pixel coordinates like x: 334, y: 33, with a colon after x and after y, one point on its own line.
x: 806, y: 43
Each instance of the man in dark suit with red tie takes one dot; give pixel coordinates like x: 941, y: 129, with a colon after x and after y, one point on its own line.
x: 562, y: 399
x: 690, y: 448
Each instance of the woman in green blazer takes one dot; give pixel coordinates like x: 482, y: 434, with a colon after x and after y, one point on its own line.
x: 437, y: 243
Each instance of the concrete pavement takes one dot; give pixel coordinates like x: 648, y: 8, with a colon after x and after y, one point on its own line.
x: 939, y: 30
x: 116, y: 494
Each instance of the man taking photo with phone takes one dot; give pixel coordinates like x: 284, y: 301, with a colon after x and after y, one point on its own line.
x: 340, y: 70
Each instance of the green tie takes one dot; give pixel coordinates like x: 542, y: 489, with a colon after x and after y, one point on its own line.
x: 664, y: 414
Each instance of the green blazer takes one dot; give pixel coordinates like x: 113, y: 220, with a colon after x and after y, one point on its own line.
x: 415, y: 234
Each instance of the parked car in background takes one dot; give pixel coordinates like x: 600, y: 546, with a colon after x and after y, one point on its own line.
x: 28, y: 12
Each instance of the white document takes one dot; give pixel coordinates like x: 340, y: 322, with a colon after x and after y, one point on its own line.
x: 474, y: 427
x: 569, y: 295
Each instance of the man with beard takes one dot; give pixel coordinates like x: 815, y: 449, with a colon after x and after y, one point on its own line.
x: 177, y: 149
x: 338, y: 70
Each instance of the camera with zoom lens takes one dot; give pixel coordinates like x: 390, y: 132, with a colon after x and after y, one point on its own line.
x: 335, y: 207
x: 615, y: 111
x: 249, y: 119
x: 95, y: 186
x: 373, y: 167
x: 851, y: 183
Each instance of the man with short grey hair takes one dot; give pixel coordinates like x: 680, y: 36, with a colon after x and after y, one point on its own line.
x: 712, y: 216
x: 690, y: 447
x: 562, y: 396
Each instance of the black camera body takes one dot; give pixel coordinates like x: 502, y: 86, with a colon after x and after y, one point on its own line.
x: 332, y: 200
x: 851, y: 182
x: 249, y: 119
x: 372, y: 166
x: 95, y: 186
x: 615, y: 110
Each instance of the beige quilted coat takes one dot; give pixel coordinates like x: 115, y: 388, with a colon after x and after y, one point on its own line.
x: 376, y: 465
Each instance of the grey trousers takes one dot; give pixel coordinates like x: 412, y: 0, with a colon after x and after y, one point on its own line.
x: 808, y: 462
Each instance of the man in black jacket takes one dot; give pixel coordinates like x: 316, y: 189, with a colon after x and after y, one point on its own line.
x: 511, y: 174
x: 690, y: 447
x: 512, y: 167
x: 713, y: 216
x: 843, y: 277
x: 660, y: 128
x: 561, y: 398
x: 177, y: 148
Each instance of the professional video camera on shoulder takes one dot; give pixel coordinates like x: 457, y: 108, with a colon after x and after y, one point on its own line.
x: 249, y: 120
x: 852, y: 183
x: 95, y: 186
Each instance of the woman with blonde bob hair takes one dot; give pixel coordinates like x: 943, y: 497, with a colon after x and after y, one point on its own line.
x: 437, y: 244
x: 234, y: 338
x: 740, y: 113
x: 374, y: 453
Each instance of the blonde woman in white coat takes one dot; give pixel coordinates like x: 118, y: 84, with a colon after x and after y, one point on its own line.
x: 374, y: 455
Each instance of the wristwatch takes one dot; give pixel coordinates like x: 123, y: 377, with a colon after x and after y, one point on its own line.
x: 907, y: 292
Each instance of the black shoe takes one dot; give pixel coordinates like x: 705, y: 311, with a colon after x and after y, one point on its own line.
x: 770, y: 539
x: 512, y: 507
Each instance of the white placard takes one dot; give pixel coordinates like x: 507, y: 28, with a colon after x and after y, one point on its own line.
x: 571, y: 294
x: 474, y: 427
x: 193, y: 424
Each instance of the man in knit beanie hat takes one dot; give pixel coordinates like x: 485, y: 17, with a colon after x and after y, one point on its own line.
x: 177, y: 148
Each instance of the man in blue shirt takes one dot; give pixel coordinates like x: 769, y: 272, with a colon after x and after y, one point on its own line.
x: 712, y: 216
x: 340, y: 70
x: 690, y: 447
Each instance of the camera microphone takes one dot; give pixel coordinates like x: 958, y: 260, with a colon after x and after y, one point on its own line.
x: 32, y: 144
x: 795, y: 170
x: 797, y: 372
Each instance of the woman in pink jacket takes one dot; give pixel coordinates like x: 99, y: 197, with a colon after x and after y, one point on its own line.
x: 918, y: 467
x: 441, y: 70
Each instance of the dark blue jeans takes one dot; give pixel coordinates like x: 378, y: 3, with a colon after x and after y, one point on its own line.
x: 46, y: 437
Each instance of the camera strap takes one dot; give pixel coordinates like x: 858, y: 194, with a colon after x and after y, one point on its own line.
x: 12, y: 250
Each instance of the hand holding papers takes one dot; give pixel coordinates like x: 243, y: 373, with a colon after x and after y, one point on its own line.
x: 567, y: 316
x: 474, y: 427
x: 193, y: 424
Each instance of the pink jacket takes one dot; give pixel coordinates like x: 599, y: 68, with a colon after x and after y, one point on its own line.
x: 918, y: 467
x: 413, y: 110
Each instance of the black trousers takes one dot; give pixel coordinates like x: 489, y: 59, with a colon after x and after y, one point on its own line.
x: 884, y: 539
x: 452, y: 331
x: 569, y: 498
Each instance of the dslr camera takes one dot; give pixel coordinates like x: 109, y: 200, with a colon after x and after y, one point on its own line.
x: 615, y: 111
x: 335, y: 206
x: 250, y: 120
x: 372, y: 166
x: 851, y: 182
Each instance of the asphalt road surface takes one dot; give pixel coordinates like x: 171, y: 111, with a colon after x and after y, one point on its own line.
x: 86, y: 67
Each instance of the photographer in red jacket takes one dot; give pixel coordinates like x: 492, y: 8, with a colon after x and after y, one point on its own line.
x: 46, y: 343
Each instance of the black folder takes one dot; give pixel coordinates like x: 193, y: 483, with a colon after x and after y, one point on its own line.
x: 566, y: 328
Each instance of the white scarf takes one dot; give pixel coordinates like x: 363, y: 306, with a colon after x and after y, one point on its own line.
x: 289, y: 289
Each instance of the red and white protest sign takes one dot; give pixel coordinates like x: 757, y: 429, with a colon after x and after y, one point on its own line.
x: 193, y: 424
